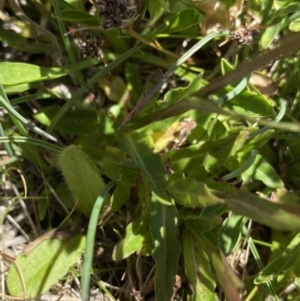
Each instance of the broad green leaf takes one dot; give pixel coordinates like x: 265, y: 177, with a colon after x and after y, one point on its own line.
x: 269, y: 35
x: 124, y: 172
x: 154, y: 8
x: 136, y: 236
x: 201, y: 222
x: 76, y: 122
x: 43, y: 265
x: 295, y: 25
x: 164, y: 5
x: 22, y: 73
x: 191, y: 193
x: 230, y: 233
x: 82, y: 176
x: 275, y: 215
x: 212, y: 154
x: 263, y: 171
x: 256, y: 141
x: 198, y: 268
x: 176, y: 94
x: 150, y: 164
x: 119, y: 197
x: 250, y: 104
x: 16, y: 41
x: 227, y: 278
x: 198, y: 173
x: 164, y: 229
x: 282, y: 263
x: 20, y: 88
x: 75, y: 16
x: 180, y: 21
x: 216, y: 129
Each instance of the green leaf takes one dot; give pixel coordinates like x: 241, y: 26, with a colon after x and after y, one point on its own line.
x: 295, y: 25
x: 211, y: 154
x: 180, y: 21
x: 269, y: 35
x: 22, y: 73
x: 191, y: 193
x: 263, y: 171
x: 230, y: 233
x: 282, y: 263
x: 250, y: 104
x: 197, y: 268
x: 124, y: 172
x: 176, y: 94
x: 294, y: 173
x: 134, y: 81
x: 119, y: 197
x: 16, y: 41
x: 76, y: 122
x: 201, y: 222
x: 150, y: 164
x: 75, y: 16
x: 82, y: 176
x: 275, y: 215
x: 227, y: 278
x: 164, y: 229
x: 216, y: 129
x: 154, y: 8
x: 37, y: 271
x: 137, y: 235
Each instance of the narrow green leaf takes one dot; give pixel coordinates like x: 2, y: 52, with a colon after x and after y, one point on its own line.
x: 150, y: 164
x: 227, y: 278
x: 16, y: 41
x: 275, y: 215
x: 180, y: 21
x: 14, y: 114
x: 28, y: 140
x: 90, y: 241
x: 164, y: 230
x: 91, y: 82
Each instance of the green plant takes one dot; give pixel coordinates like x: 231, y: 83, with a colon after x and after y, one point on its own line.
x: 189, y: 175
